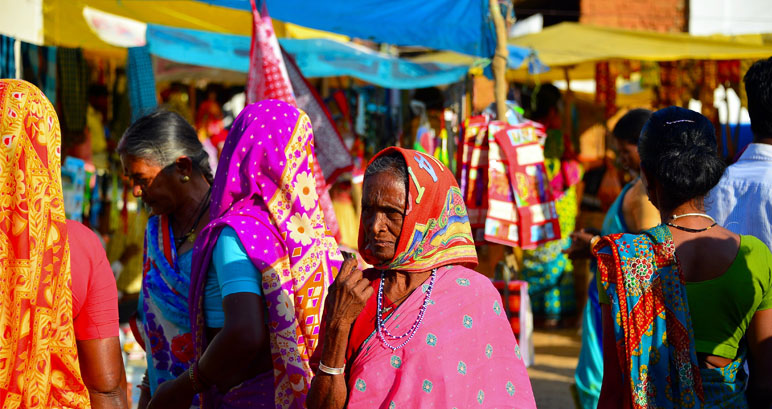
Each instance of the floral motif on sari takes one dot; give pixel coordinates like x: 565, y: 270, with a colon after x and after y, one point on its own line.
x: 164, y: 319
x: 655, y: 342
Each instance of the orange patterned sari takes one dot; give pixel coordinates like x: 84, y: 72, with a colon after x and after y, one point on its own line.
x: 38, y: 356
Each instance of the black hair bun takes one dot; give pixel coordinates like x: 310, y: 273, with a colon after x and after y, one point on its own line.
x: 678, y: 148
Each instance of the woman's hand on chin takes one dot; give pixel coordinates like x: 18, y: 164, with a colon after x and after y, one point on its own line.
x: 348, y: 295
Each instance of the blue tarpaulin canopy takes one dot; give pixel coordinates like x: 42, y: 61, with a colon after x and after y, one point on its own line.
x: 314, y: 57
x: 456, y: 25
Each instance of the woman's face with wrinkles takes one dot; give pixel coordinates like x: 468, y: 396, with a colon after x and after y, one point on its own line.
x: 383, y: 211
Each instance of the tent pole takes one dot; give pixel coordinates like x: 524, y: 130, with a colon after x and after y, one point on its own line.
x: 499, y: 63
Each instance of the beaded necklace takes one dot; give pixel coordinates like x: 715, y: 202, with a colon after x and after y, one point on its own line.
x: 414, y: 328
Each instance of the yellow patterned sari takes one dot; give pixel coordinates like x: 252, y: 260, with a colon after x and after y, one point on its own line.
x: 38, y: 356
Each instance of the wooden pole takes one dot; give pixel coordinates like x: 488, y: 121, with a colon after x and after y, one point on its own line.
x: 499, y: 63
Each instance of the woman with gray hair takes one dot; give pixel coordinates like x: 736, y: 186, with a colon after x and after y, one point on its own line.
x: 170, y: 172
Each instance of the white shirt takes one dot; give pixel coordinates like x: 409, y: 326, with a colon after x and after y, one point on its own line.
x: 742, y: 200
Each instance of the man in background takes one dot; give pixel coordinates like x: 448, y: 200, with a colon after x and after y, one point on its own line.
x: 742, y: 200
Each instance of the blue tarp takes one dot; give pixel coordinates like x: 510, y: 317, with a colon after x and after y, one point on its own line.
x: 315, y: 58
x: 455, y: 25
x: 329, y: 58
x: 204, y: 48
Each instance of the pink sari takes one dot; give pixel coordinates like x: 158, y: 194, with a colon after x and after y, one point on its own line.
x: 464, y: 354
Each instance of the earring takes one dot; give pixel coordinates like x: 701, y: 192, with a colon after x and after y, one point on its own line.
x: 185, y: 179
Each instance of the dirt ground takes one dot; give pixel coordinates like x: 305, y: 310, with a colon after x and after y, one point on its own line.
x: 552, y: 374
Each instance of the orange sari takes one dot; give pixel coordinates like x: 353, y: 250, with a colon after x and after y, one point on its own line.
x: 38, y: 356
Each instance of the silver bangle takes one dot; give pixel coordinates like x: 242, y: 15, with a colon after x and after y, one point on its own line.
x: 331, y: 371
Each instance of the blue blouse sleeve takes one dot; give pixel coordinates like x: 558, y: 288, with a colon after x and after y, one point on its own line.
x: 235, y: 271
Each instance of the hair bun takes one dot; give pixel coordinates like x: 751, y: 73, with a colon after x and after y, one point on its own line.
x: 678, y: 148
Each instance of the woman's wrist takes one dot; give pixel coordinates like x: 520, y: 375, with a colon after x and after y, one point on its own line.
x: 184, y: 385
x: 338, y: 327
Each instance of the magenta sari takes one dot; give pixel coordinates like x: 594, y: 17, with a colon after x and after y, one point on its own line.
x: 265, y: 190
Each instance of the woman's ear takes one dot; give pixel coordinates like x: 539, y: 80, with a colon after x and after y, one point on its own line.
x: 184, y: 166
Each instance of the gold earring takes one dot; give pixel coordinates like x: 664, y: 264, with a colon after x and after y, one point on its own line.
x: 185, y: 179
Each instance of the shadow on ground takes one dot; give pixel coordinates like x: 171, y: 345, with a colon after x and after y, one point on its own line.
x: 552, y: 375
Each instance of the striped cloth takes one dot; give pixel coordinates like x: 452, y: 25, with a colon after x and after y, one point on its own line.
x: 7, y: 57
x: 73, y: 81
x: 39, y: 68
x: 142, y: 95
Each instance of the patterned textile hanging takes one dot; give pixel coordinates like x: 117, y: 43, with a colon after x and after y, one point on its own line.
x: 7, y: 57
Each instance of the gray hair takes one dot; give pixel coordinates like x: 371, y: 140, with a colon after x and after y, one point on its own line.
x: 393, y: 163
x: 163, y: 136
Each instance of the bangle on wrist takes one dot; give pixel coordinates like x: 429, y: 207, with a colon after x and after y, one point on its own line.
x: 593, y: 241
x: 331, y: 371
x: 195, y: 378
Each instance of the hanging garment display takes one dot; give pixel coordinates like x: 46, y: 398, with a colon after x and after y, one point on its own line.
x: 523, y: 158
x: 7, y: 57
x: 142, y: 95
x: 331, y: 152
x: 473, y: 172
x: 267, y: 77
x: 72, y: 89
x: 501, y: 221
x: 39, y: 68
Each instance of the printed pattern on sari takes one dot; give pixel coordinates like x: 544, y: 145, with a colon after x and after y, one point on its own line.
x: 436, y: 229
x: 464, y: 354
x: 265, y: 190
x: 725, y: 387
x: 38, y: 354
x: 654, y: 338
x: 164, y: 318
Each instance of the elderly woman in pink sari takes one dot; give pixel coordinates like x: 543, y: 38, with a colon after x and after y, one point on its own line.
x: 261, y: 270
x: 421, y: 329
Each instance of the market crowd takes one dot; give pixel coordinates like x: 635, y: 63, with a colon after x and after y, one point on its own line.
x: 247, y: 301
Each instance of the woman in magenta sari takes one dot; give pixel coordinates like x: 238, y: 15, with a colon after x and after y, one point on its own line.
x: 421, y: 329
x: 261, y: 269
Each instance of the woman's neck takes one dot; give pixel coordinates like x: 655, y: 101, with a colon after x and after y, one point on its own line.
x: 398, y: 285
x: 191, y: 205
x: 692, y: 206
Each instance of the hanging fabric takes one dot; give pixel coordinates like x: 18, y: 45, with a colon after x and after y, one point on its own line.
x: 39, y: 68
x: 142, y: 94
x: 73, y: 79
x: 331, y: 152
x: 7, y: 57
x: 473, y: 173
x: 267, y: 77
x: 533, y: 197
x: 501, y: 221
